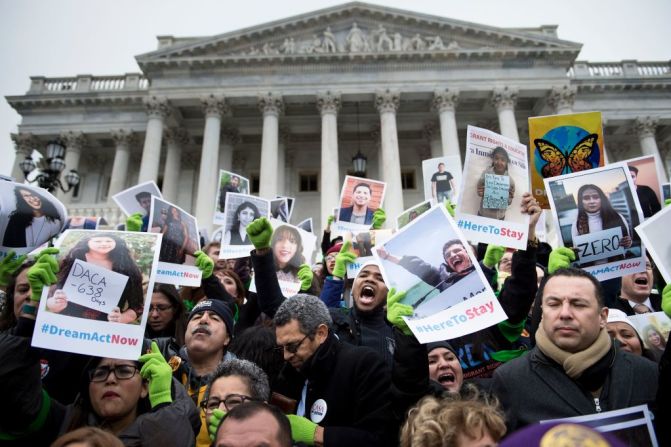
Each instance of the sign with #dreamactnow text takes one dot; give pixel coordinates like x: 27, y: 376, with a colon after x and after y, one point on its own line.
x: 94, y: 287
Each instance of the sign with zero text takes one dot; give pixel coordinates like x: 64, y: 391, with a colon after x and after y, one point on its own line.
x: 599, y: 245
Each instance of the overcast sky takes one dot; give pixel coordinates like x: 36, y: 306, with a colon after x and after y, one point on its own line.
x: 70, y: 37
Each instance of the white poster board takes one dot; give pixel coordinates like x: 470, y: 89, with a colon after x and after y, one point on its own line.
x: 359, y: 199
x: 94, y: 287
x: 229, y: 182
x: 654, y: 233
x: 241, y: 210
x: 441, y: 177
x: 137, y: 199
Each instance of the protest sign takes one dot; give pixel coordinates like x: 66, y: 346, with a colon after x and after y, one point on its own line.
x: 71, y: 315
x: 633, y: 425
x: 495, y: 177
x: 137, y: 199
x: 441, y: 176
x: 306, y: 225
x: 359, y: 199
x: 279, y: 209
x: 654, y: 233
x: 562, y: 144
x: 289, y: 210
x: 176, y: 261
x: 241, y: 210
x: 666, y: 191
x: 584, y: 204
x: 644, y: 173
x: 653, y: 328
x: 430, y: 260
x: 412, y: 213
x: 29, y: 217
x: 229, y: 182
x: 362, y: 244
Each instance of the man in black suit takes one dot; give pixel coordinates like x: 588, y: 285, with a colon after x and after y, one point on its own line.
x: 646, y: 195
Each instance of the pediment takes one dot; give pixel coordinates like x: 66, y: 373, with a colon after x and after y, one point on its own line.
x: 358, y: 29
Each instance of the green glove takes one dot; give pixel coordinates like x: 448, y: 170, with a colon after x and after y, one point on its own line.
x: 379, y: 218
x: 667, y: 202
x: 493, y: 255
x: 305, y: 275
x: 666, y: 300
x: 204, y: 263
x: 331, y: 219
x: 560, y: 257
x: 215, y: 421
x: 259, y: 232
x: 396, y: 310
x: 159, y: 374
x: 449, y: 206
x: 343, y: 258
x: 134, y: 222
x: 302, y: 429
x: 9, y: 266
x: 43, y: 272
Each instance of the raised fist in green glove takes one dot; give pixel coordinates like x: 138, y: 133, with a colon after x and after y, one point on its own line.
x: 344, y: 257
x: 560, y: 257
x: 214, y: 422
x: 302, y: 429
x: 329, y: 221
x: 43, y: 272
x: 260, y: 232
x: 379, y: 218
x: 134, y: 222
x: 305, y: 274
x: 666, y: 300
x: 449, y: 206
x: 493, y: 255
x: 397, y: 310
x: 204, y: 263
x: 159, y: 374
x: 9, y: 266
x: 667, y: 202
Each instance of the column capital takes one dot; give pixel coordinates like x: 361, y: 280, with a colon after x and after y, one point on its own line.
x: 231, y: 136
x: 561, y: 97
x: 157, y: 107
x: 123, y: 137
x: 445, y: 99
x: 328, y: 102
x: 646, y: 126
x: 214, y: 105
x: 270, y: 103
x: 74, y: 140
x: 504, y: 97
x: 24, y: 142
x: 387, y: 100
x: 176, y: 135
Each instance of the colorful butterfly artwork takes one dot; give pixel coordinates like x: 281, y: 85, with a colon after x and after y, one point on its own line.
x: 578, y: 158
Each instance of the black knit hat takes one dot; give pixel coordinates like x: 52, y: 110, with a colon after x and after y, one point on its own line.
x: 439, y: 344
x: 218, y: 307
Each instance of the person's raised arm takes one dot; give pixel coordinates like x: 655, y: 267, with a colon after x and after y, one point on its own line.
x: 268, y: 289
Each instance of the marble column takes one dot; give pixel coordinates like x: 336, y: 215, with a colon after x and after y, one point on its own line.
x: 176, y: 139
x: 432, y: 137
x: 328, y: 104
x: 504, y: 99
x: 561, y: 99
x: 74, y: 143
x: 387, y: 103
x: 24, y: 144
x: 214, y: 107
x: 229, y: 139
x: 158, y: 110
x: 123, y: 139
x: 645, y: 130
x: 271, y: 106
x: 445, y: 102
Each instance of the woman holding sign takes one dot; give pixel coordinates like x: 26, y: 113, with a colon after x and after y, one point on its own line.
x: 496, y: 187
x: 108, y: 251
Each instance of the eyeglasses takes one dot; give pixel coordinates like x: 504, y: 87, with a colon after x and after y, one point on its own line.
x: 121, y: 372
x: 159, y: 308
x: 331, y: 257
x: 292, y: 348
x: 231, y: 401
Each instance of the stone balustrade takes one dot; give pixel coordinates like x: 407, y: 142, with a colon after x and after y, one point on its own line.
x: 88, y: 83
x: 627, y: 68
x: 112, y: 213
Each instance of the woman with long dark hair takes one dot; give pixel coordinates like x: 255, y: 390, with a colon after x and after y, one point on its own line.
x: 34, y: 221
x: 287, y: 248
x: 245, y: 213
x: 175, y: 238
x: 109, y: 251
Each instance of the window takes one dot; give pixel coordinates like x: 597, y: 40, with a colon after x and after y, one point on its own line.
x: 408, y: 179
x: 255, y: 181
x: 308, y: 182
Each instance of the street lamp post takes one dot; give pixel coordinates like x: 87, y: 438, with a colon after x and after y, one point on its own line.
x: 50, y: 169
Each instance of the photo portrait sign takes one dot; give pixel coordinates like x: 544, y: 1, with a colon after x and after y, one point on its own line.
x: 359, y: 199
x: 595, y: 213
x: 72, y: 316
x: 562, y: 144
x: 229, y: 182
x: 241, y: 210
x: 137, y: 199
x: 362, y: 245
x: 495, y: 177
x: 29, y: 217
x: 431, y: 261
x: 654, y: 329
x: 654, y: 233
x: 176, y: 262
x: 644, y: 172
x: 412, y: 213
x: 442, y: 178
x: 306, y: 225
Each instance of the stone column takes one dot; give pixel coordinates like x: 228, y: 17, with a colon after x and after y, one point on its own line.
x: 123, y: 140
x: 215, y: 107
x: 504, y: 99
x: 229, y: 139
x: 74, y: 142
x: 645, y: 130
x: 282, y: 161
x: 387, y: 103
x: 562, y: 99
x: 431, y: 137
x: 271, y: 106
x: 176, y: 139
x: 445, y: 102
x: 328, y: 104
x: 157, y: 110
x: 24, y: 144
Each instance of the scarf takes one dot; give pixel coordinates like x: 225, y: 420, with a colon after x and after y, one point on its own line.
x: 574, y: 364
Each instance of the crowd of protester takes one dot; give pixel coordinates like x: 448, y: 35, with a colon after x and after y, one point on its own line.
x: 224, y: 366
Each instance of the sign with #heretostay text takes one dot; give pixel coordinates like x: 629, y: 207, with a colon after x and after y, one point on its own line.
x: 94, y: 287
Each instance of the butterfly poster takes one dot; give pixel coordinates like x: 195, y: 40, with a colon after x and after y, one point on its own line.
x: 563, y: 144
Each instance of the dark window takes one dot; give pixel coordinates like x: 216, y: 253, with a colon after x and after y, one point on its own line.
x: 308, y: 182
x: 255, y: 181
x: 408, y: 179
